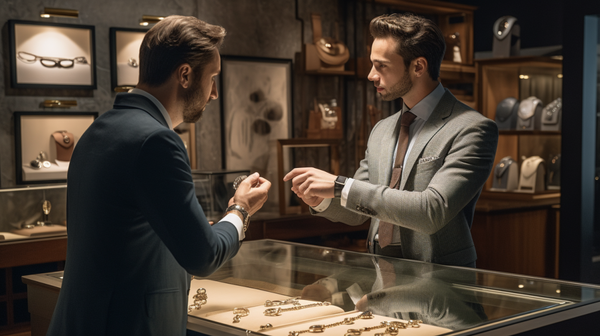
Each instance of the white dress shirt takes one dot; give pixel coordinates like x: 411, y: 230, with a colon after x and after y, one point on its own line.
x: 422, y: 110
x: 231, y: 218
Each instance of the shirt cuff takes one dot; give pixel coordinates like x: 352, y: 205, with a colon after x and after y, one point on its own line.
x: 345, y: 191
x: 323, y: 205
x: 237, y: 222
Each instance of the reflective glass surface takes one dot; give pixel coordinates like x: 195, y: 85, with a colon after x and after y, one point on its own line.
x: 454, y: 298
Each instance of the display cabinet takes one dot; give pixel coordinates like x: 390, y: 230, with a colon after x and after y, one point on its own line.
x: 317, y: 289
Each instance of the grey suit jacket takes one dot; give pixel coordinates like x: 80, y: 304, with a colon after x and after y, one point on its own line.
x: 434, y: 207
x: 136, y: 230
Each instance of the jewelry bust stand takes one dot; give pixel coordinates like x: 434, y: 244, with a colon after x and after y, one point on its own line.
x: 507, y: 114
x: 64, y: 145
x: 552, y: 116
x: 530, y: 114
x: 533, y: 177
x: 506, y: 175
x: 507, y: 37
x: 554, y: 173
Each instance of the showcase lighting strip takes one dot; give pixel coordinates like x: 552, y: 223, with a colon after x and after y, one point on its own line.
x: 150, y: 19
x: 60, y: 12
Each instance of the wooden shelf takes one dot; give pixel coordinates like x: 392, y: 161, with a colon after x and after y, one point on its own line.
x: 330, y: 73
x: 457, y: 67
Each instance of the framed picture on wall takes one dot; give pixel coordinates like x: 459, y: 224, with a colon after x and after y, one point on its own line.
x: 256, y: 112
x: 124, y: 57
x: 51, y: 55
x: 44, y: 142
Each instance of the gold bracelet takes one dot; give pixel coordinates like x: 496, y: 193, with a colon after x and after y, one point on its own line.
x: 239, y: 313
x: 319, y: 328
x: 391, y: 328
x: 277, y: 311
x: 200, y: 299
x: 293, y: 301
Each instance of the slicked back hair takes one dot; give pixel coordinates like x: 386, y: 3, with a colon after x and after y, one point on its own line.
x: 415, y: 36
x: 174, y: 41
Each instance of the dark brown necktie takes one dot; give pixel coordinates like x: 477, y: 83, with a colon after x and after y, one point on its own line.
x: 386, y: 229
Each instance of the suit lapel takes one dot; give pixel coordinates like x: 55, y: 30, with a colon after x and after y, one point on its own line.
x: 436, y: 120
x: 388, y: 144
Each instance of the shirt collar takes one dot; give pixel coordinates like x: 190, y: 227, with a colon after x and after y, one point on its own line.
x: 424, y: 108
x: 156, y: 102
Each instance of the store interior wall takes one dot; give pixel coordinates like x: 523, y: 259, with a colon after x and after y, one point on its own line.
x: 277, y: 29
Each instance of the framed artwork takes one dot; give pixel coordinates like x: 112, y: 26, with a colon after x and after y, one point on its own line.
x: 256, y: 112
x: 51, y: 55
x: 44, y: 142
x: 289, y: 203
x: 124, y: 57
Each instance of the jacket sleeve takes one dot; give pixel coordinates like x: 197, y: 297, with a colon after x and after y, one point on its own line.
x: 166, y: 197
x: 464, y: 169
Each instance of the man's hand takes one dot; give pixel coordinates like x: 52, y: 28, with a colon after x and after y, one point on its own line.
x: 311, y: 185
x: 252, y: 193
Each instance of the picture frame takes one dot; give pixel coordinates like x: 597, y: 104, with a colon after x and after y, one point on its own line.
x: 124, y: 57
x: 285, y: 162
x: 46, y: 55
x: 257, y: 96
x: 37, y: 132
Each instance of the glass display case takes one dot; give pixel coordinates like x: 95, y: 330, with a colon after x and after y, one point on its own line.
x: 214, y: 189
x: 328, y: 291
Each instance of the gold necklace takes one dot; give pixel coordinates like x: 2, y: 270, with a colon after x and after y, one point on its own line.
x: 319, y: 328
x: 277, y: 311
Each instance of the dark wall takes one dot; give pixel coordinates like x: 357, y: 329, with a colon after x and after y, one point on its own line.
x: 541, y: 21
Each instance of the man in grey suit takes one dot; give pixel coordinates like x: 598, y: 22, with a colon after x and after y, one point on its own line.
x: 444, y: 160
x: 136, y: 230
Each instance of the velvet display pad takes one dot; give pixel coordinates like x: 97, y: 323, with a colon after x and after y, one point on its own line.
x: 42, y: 231
x: 423, y: 330
x: 256, y: 316
x: 223, y: 297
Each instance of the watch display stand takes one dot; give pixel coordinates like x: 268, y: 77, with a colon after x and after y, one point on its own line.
x: 530, y: 114
x: 533, y: 177
x: 554, y: 173
x: 552, y: 116
x: 507, y: 37
x: 507, y: 114
x: 506, y: 175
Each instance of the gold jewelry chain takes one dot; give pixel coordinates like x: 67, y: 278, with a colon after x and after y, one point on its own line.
x: 277, y: 311
x: 391, y: 328
x: 319, y: 328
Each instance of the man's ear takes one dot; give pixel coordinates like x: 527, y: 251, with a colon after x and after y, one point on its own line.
x: 420, y: 64
x: 184, y: 75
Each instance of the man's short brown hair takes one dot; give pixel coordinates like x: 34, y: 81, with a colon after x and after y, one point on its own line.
x: 174, y: 41
x: 415, y: 37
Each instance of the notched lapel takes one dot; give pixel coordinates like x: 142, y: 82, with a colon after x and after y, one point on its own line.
x: 388, y: 144
x: 437, y: 120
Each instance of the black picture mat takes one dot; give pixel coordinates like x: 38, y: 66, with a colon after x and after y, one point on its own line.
x: 113, y: 51
x: 13, y: 51
x: 225, y: 58
x: 18, y: 154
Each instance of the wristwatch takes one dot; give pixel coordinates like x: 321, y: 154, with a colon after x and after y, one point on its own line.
x: 243, y: 212
x: 338, y: 185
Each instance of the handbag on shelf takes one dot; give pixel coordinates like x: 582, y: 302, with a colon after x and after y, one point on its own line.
x: 64, y: 145
x: 506, y: 175
x: 530, y: 114
x: 532, y: 178
x: 552, y: 116
x: 325, y: 53
x: 554, y: 173
x: 507, y: 114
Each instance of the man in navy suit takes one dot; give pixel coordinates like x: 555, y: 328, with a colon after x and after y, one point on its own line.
x: 136, y: 230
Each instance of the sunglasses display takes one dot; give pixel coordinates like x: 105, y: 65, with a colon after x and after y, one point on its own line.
x: 50, y: 62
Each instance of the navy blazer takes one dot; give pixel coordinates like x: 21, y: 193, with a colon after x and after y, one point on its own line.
x: 135, y: 228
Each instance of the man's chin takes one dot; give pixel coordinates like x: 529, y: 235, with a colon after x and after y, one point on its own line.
x: 193, y: 117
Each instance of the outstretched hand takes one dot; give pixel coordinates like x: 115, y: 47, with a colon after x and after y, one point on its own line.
x: 311, y: 185
x: 251, y: 193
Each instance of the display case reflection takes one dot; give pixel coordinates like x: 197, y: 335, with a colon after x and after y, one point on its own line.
x: 214, y: 189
